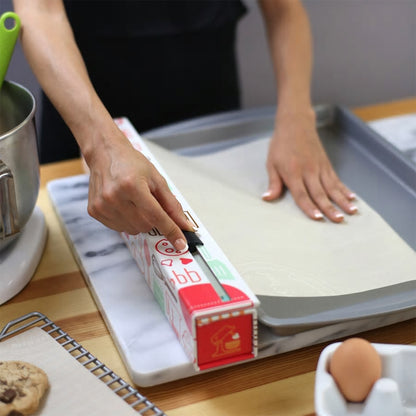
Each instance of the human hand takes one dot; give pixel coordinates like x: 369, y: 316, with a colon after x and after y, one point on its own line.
x: 127, y: 193
x: 298, y: 160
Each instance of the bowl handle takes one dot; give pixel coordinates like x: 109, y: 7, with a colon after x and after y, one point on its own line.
x: 9, y: 223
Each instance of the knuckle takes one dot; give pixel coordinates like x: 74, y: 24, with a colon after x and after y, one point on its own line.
x: 300, y: 195
x: 320, y: 197
x: 158, y: 219
x: 289, y: 172
x: 161, y: 181
x: 170, y: 231
x: 338, y: 197
x: 92, y: 211
x: 108, y: 196
x: 95, y: 209
x: 128, y: 183
x: 331, y: 180
x: 173, y: 206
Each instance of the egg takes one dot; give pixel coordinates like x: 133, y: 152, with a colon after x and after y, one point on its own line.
x: 355, y: 366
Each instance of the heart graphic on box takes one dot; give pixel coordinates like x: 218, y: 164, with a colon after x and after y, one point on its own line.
x: 185, y: 260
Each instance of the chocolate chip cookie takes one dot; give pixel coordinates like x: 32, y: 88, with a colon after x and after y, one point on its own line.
x: 22, y: 386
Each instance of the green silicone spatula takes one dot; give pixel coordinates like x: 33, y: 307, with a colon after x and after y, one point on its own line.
x: 8, y: 38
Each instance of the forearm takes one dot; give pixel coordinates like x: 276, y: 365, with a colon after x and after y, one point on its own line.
x: 296, y: 157
x: 126, y: 192
x: 53, y: 55
x: 289, y: 39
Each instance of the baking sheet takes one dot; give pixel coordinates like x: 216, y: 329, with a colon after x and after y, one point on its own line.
x: 353, y: 289
x: 275, y: 247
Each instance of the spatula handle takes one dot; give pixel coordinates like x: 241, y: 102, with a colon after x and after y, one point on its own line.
x: 8, y: 38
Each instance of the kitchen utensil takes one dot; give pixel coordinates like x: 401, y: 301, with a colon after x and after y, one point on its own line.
x: 19, y: 163
x: 15, y: 107
x: 8, y: 38
x: 22, y: 230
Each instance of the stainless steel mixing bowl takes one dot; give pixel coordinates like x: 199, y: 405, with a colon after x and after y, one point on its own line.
x: 19, y: 161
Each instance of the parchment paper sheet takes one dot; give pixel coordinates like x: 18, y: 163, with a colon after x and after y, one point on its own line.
x: 274, y: 246
x: 74, y: 391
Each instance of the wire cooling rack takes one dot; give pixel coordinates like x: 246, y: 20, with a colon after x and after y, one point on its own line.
x: 121, y: 388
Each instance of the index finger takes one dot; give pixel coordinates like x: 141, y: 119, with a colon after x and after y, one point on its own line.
x: 159, y: 218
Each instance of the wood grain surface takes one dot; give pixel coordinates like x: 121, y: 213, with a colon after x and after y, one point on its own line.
x: 280, y: 385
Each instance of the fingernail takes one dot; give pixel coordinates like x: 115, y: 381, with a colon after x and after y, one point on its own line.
x: 352, y: 195
x: 191, y: 226
x: 353, y: 208
x: 317, y: 214
x: 266, y: 194
x: 181, y: 245
x: 339, y: 215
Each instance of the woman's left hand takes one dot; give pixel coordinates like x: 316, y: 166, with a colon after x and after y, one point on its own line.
x: 297, y: 160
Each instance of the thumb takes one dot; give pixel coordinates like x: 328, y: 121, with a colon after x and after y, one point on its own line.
x: 275, y: 188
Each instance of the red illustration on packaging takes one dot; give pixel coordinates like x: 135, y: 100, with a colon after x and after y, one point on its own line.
x: 166, y: 248
x: 224, y: 340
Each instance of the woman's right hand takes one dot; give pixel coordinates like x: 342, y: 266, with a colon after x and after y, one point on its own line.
x: 127, y: 193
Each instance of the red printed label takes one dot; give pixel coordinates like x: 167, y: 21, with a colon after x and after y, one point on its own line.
x: 220, y: 340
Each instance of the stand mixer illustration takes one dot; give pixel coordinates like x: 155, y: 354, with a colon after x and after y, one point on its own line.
x: 226, y: 341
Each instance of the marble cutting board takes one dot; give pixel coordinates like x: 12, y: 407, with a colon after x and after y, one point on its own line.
x: 144, y: 338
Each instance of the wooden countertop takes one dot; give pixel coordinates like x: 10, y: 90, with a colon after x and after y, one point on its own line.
x: 283, y: 384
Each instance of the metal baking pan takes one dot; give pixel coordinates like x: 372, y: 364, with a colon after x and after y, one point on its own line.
x: 366, y: 162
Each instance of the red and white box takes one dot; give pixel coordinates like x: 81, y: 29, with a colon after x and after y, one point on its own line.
x: 213, y: 330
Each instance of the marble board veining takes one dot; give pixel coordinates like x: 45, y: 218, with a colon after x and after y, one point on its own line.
x: 144, y: 337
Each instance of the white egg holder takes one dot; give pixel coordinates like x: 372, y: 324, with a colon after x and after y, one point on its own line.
x: 394, y: 394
